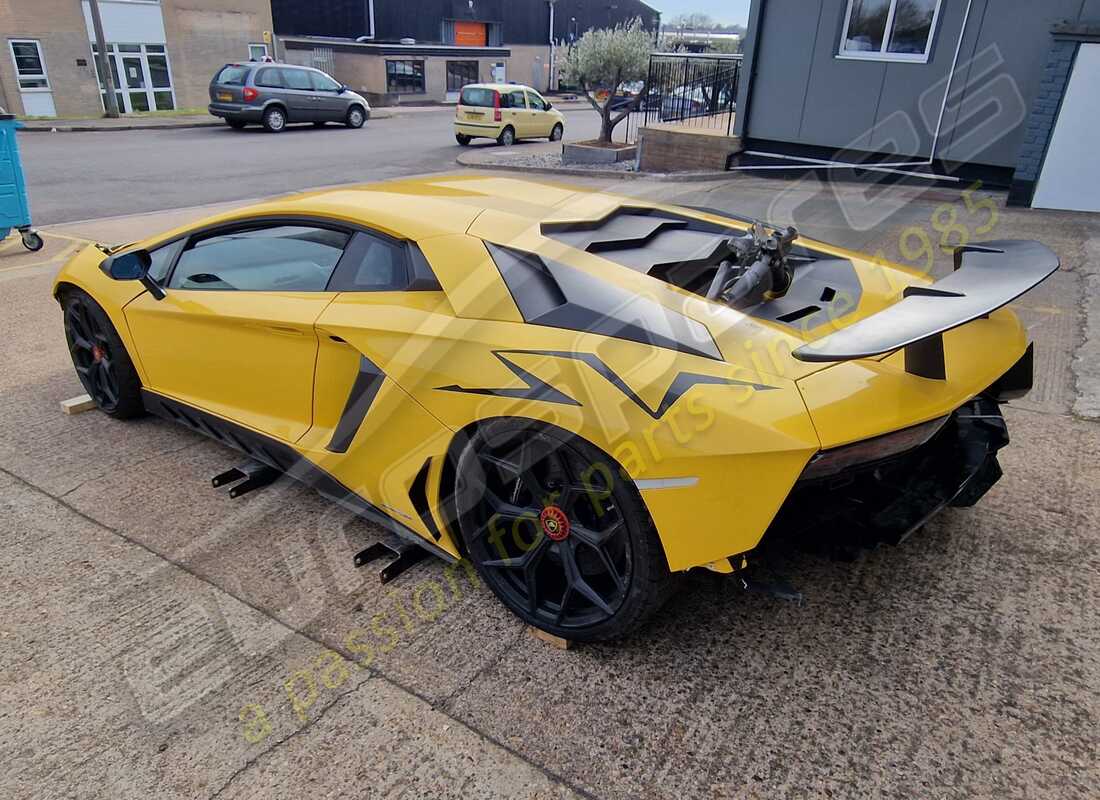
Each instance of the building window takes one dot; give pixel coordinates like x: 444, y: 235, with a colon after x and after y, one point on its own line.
x: 257, y: 52
x: 460, y: 73
x: 405, y: 77
x: 30, y: 67
x: 889, y: 30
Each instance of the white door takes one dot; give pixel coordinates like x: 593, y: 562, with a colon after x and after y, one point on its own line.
x: 30, y: 71
x: 1070, y: 179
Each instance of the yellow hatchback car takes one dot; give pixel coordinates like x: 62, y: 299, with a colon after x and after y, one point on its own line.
x: 506, y: 112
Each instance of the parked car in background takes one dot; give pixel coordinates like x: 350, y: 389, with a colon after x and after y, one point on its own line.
x: 696, y: 101
x: 274, y: 95
x: 506, y: 112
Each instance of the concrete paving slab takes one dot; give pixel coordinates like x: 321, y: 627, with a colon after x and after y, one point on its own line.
x: 125, y: 676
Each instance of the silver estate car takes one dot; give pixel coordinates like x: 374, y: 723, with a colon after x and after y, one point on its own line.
x: 274, y: 95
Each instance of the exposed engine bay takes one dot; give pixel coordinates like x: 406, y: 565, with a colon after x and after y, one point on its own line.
x: 761, y: 271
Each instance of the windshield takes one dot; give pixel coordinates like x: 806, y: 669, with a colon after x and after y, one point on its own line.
x: 486, y: 98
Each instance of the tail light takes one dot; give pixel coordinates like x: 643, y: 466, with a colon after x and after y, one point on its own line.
x: 249, y: 94
x: 838, y: 459
x: 496, y: 107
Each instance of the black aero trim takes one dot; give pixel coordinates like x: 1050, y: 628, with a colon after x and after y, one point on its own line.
x: 553, y: 294
x: 418, y: 494
x: 362, y: 394
x: 537, y: 389
x: 282, y: 457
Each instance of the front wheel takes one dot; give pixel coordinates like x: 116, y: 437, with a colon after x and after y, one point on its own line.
x: 555, y: 134
x: 102, y: 363
x: 558, y: 533
x: 507, y: 137
x: 355, y: 118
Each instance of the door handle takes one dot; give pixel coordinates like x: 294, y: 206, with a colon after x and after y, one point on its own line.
x: 284, y: 330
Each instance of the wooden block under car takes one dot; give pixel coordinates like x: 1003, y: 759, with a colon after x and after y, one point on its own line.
x: 551, y: 639
x: 77, y: 405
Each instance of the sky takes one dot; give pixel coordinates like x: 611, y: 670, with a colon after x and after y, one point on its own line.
x: 728, y: 12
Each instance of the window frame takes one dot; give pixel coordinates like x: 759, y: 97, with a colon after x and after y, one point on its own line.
x: 882, y: 54
x: 290, y: 69
x: 19, y: 77
x: 316, y: 76
x: 419, y: 274
x: 423, y: 75
x: 534, y: 97
x: 522, y: 92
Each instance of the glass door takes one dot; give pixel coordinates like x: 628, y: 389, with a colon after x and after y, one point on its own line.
x: 143, y: 79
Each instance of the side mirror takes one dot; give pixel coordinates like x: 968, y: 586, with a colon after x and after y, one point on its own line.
x: 549, y: 105
x: 133, y: 266
x: 343, y: 88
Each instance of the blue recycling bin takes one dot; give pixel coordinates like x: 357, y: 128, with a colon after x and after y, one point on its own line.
x: 15, y: 211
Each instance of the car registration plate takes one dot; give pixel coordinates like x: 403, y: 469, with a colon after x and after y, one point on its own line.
x: 225, y: 96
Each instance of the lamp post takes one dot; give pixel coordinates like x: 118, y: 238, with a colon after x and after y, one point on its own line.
x: 110, y: 99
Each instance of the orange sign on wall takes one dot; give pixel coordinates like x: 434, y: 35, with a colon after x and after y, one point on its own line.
x: 471, y: 34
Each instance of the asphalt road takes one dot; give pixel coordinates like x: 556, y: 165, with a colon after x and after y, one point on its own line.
x: 78, y: 176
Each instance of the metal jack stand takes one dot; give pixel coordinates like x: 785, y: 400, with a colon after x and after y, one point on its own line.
x: 251, y: 474
x: 404, y: 554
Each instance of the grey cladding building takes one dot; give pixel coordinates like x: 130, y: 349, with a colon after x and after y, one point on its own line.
x: 992, y: 88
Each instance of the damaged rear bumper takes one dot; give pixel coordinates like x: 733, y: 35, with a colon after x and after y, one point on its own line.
x: 953, y: 462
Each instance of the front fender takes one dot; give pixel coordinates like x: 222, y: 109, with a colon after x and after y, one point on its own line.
x: 82, y: 272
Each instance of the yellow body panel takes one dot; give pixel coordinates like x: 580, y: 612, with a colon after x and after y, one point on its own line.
x: 714, y: 466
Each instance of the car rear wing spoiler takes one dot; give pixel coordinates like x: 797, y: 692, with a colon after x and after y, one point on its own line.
x: 987, y: 276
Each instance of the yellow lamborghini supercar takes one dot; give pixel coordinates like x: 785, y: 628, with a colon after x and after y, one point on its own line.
x: 583, y: 394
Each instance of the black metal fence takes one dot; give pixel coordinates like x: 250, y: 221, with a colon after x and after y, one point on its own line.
x: 687, y: 89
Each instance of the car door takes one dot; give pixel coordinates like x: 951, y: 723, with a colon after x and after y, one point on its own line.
x: 514, y: 112
x: 302, y: 102
x: 541, y: 120
x: 329, y: 102
x: 234, y: 333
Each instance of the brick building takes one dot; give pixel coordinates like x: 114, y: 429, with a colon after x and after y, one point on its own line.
x: 162, y: 52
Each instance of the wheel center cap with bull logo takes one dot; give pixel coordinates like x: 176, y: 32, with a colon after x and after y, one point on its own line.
x: 554, y: 523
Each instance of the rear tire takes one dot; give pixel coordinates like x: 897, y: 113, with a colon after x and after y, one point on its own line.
x: 462, y: 139
x: 356, y: 117
x: 274, y: 119
x: 236, y: 124
x: 557, y: 532
x: 100, y: 358
x: 507, y: 137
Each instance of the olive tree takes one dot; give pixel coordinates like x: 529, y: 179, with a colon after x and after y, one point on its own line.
x: 605, y: 58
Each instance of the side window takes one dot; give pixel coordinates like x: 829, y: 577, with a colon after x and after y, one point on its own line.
x: 536, y: 102
x: 323, y: 83
x: 513, y: 99
x: 281, y: 258
x: 162, y: 260
x: 372, y: 264
x: 297, y: 79
x: 271, y: 77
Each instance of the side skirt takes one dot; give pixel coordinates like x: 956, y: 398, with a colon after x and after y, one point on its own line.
x: 285, y: 459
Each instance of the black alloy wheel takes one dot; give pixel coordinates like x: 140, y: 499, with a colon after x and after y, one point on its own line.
x: 557, y: 533
x: 102, y: 363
